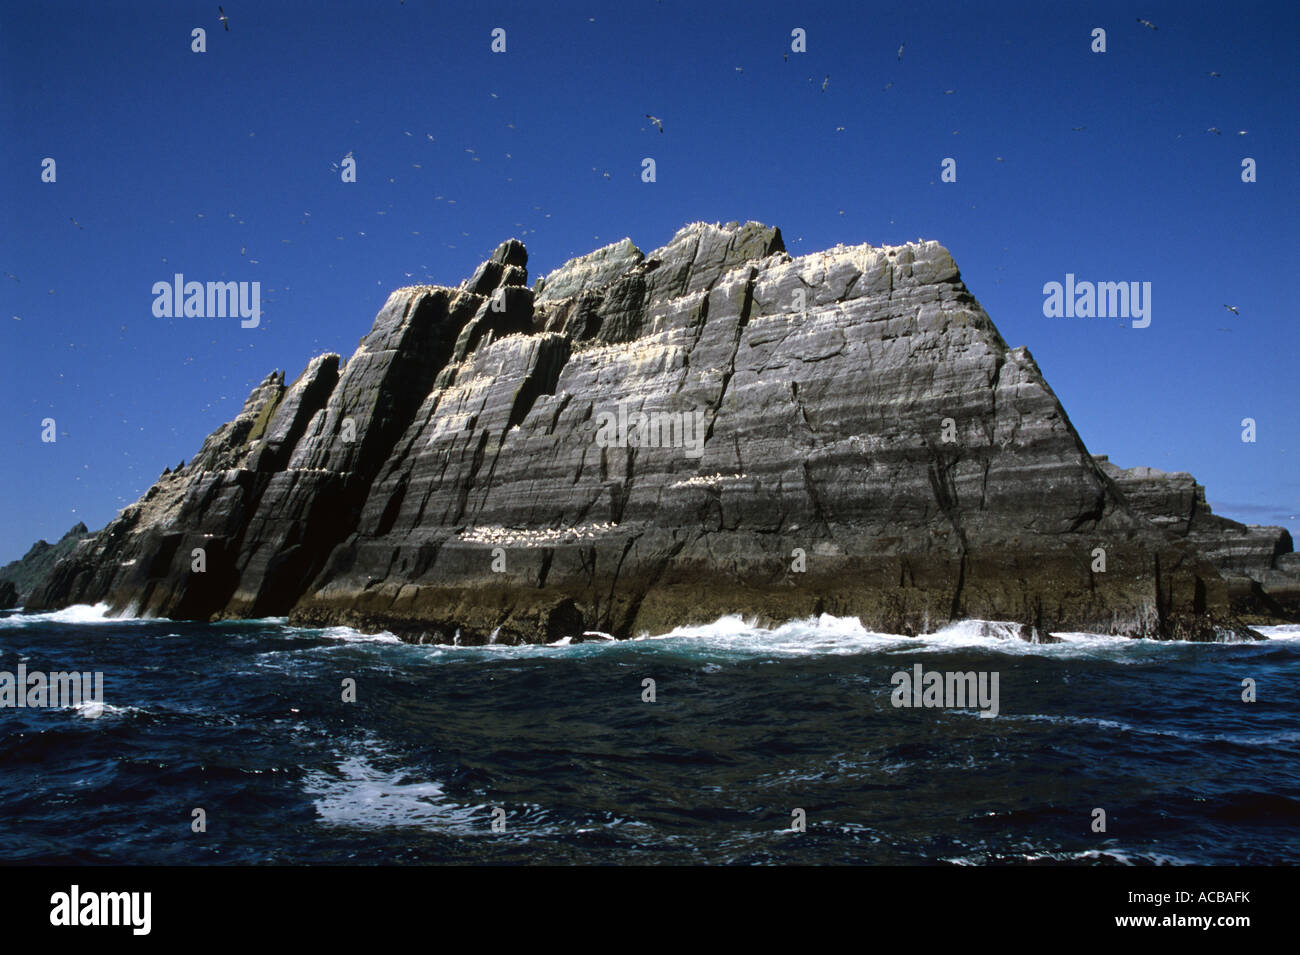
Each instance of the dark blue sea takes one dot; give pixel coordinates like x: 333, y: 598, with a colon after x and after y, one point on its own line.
x: 246, y: 721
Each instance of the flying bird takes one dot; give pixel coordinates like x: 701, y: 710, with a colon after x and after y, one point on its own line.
x: 1241, y: 132
x: 948, y: 92
x: 1212, y: 73
x: 1078, y: 129
x: 225, y: 20
x: 656, y: 121
x: 887, y: 86
x: 1215, y: 130
x: 76, y: 223
x: 900, y: 50
x: 839, y: 129
x: 1147, y: 23
x: 826, y: 82
x: 1233, y: 309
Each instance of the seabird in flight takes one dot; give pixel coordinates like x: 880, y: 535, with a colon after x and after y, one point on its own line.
x: 656, y: 120
x: 1147, y: 23
x: 225, y: 20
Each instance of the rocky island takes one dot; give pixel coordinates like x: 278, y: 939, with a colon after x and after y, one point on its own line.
x: 862, y: 442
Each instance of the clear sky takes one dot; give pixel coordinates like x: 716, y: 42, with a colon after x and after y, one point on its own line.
x: 218, y: 165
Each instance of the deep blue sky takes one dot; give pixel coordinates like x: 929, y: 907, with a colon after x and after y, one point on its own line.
x: 149, y: 136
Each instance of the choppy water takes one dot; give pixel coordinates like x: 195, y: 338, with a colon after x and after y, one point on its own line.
x: 246, y: 721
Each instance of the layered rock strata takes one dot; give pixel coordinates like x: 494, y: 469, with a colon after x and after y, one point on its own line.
x: 641, y: 441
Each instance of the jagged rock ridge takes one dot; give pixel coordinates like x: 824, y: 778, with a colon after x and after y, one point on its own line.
x: 870, y: 446
x: 19, y: 577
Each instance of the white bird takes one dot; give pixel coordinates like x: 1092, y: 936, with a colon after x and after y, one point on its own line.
x: 1215, y: 130
x: 1241, y: 132
x: 900, y: 50
x: 225, y: 20
x: 948, y: 92
x: 656, y: 121
x: 826, y: 82
x: 1212, y: 73
x: 1233, y: 309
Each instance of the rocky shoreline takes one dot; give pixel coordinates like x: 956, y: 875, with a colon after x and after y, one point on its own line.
x: 871, y: 447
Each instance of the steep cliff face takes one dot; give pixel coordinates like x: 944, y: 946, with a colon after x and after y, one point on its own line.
x: 646, y: 440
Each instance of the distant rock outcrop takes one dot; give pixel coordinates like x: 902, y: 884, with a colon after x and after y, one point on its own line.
x: 24, y: 574
x: 1259, y: 563
x: 648, y: 440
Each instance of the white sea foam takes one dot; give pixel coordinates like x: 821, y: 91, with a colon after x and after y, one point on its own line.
x: 348, y: 635
x: 92, y: 710
x: 1239, y: 739
x: 360, y: 795
x: 1285, y: 631
x: 733, y: 637
x: 1126, y: 857
x: 77, y: 613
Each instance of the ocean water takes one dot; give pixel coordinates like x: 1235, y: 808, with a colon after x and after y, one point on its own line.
x: 246, y: 721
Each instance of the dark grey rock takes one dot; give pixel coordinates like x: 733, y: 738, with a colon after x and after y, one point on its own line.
x: 23, y: 575
x: 867, y: 445
x: 1257, y: 562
